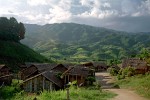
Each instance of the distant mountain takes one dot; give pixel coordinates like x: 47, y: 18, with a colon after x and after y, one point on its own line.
x: 76, y: 42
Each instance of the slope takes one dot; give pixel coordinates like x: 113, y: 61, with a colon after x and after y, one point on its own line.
x: 76, y: 42
x: 13, y: 53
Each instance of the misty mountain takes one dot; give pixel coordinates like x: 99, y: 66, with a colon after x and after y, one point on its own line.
x: 75, y: 41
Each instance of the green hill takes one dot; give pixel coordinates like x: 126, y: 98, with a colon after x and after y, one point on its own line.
x: 77, y: 43
x: 13, y: 53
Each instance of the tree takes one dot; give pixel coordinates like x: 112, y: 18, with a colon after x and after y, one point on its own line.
x: 144, y: 54
x: 11, y: 30
x: 21, y: 31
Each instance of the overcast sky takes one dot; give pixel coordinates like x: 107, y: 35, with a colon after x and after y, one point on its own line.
x: 128, y: 15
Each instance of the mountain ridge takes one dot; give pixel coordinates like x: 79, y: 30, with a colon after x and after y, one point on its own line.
x: 63, y: 40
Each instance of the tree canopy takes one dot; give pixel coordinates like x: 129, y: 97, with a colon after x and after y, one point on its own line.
x: 11, y: 29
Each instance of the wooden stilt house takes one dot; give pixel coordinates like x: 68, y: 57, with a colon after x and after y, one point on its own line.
x: 76, y: 73
x: 35, y: 69
x: 139, y: 65
x: 43, y: 81
x: 5, y: 75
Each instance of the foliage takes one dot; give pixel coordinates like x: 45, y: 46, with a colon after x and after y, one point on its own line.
x: 9, y: 91
x: 128, y: 71
x: 11, y: 30
x: 79, y: 43
x: 113, y: 71
x: 13, y: 53
x: 90, y: 79
x: 96, y: 86
x: 144, y: 54
x: 75, y: 93
x: 119, y: 77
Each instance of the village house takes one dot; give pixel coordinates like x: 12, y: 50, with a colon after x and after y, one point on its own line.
x: 59, y: 68
x: 4, y: 70
x: 35, y: 69
x: 88, y: 64
x: 91, y: 66
x: 100, y: 66
x: 139, y: 65
x: 40, y: 77
x: 76, y: 73
x: 5, y: 75
x: 44, y: 81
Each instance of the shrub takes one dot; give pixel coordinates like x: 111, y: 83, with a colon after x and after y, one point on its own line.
x: 128, y: 71
x: 119, y: 77
x: 113, y: 71
x: 91, y: 79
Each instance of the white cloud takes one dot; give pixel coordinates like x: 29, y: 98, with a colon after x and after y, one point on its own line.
x: 90, y: 12
x: 36, y: 2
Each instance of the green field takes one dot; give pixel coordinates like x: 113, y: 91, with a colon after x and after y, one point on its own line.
x: 11, y: 93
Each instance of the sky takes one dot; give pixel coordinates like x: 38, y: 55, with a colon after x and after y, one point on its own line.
x: 124, y: 15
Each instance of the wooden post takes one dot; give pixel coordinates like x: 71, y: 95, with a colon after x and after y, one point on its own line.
x: 50, y: 86
x: 68, y: 79
x: 65, y: 79
x: 68, y: 94
x: 43, y: 83
x: 35, y: 84
x: 30, y: 85
x: 76, y: 77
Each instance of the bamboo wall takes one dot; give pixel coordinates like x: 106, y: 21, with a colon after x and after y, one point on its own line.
x: 38, y: 83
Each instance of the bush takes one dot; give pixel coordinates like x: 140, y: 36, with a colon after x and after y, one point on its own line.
x: 91, y: 79
x: 113, y: 71
x: 119, y: 77
x: 96, y: 86
x: 128, y: 71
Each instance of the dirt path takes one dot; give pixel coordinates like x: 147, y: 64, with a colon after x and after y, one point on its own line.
x: 107, y: 84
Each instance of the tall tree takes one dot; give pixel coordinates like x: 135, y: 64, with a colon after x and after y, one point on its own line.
x: 11, y: 30
x: 21, y: 31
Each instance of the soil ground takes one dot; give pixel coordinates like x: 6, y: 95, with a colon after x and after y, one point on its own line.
x: 106, y: 82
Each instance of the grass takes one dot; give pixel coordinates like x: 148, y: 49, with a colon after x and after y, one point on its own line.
x: 19, y: 51
x: 13, y: 53
x: 76, y: 94
x: 10, y: 93
x: 139, y: 83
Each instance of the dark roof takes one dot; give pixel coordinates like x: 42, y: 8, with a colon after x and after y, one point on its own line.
x: 59, y: 68
x: 53, y: 78
x: 50, y: 76
x: 1, y: 66
x: 67, y: 65
x: 78, y: 70
x: 88, y: 64
x: 37, y: 67
x: 134, y: 62
x: 96, y: 64
x: 44, y: 67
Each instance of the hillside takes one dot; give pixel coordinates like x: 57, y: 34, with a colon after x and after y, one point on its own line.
x: 13, y: 53
x: 76, y: 42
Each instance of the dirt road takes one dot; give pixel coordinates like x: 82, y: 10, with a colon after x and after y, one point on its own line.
x: 106, y: 82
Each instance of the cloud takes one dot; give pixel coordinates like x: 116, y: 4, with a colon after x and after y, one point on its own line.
x: 36, y: 2
x: 115, y: 14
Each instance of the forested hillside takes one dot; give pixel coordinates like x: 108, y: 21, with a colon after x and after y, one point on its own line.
x: 75, y: 42
x: 12, y: 52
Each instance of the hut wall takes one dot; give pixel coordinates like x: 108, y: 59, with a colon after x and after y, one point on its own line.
x: 4, y: 71
x: 38, y: 84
